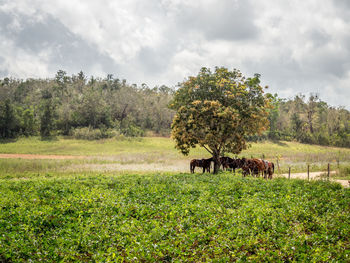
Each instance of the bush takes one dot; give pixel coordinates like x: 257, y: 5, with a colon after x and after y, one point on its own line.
x: 344, y: 171
x: 88, y: 133
x: 322, y: 139
x: 132, y: 131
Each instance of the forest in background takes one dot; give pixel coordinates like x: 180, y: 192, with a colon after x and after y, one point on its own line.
x: 95, y: 108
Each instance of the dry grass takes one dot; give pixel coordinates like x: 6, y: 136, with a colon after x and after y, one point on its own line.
x: 153, y: 154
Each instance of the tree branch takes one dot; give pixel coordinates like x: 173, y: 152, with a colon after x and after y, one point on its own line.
x: 208, y: 150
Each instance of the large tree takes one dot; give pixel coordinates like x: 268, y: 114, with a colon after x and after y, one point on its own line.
x: 217, y: 110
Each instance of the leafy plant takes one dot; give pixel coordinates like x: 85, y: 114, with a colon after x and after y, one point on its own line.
x: 172, y: 217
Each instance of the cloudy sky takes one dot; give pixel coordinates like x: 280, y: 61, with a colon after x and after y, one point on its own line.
x: 297, y: 46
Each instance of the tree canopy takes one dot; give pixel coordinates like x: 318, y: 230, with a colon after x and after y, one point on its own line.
x: 217, y: 110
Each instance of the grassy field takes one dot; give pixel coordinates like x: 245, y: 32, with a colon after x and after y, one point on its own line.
x: 172, y: 217
x: 289, y: 150
x: 156, y: 154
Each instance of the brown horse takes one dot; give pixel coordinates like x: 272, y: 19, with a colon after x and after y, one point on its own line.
x: 260, y: 167
x: 270, y: 169
x: 205, y: 163
x: 225, y: 161
x: 252, y: 166
x: 257, y: 166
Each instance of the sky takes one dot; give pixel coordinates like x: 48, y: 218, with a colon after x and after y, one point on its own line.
x: 296, y: 46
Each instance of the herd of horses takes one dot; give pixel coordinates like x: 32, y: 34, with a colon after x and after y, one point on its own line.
x: 253, y: 166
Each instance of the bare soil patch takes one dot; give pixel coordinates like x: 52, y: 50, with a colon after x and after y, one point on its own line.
x: 316, y: 176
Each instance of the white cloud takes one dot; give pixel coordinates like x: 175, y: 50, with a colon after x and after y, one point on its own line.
x: 19, y: 63
x: 297, y: 46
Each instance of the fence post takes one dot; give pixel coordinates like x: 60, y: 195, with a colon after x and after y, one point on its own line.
x: 289, y: 173
x: 338, y: 158
x: 328, y: 171
x: 308, y: 172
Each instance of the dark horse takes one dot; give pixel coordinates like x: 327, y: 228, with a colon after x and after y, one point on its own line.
x: 205, y: 163
x: 224, y: 161
x: 229, y: 163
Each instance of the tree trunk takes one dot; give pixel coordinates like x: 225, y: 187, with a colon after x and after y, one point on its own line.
x: 216, y: 160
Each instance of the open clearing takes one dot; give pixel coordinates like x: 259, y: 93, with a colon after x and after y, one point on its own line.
x: 133, y: 165
x: 150, y: 154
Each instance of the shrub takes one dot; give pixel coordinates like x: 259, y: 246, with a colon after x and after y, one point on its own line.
x: 88, y: 133
x: 132, y: 131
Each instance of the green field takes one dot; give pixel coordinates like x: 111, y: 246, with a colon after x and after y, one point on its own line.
x: 173, y: 217
x: 115, y: 146
x: 132, y: 200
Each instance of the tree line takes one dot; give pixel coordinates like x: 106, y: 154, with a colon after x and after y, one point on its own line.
x: 80, y: 106
x: 94, y: 108
x: 308, y: 120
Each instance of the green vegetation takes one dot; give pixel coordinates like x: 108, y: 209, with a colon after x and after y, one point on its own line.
x: 172, y: 217
x: 308, y: 120
x: 99, y: 108
x: 84, y: 108
x: 217, y: 111
x: 103, y: 200
x: 343, y: 173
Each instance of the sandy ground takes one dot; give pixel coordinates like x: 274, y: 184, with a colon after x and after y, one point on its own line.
x: 316, y: 176
x: 174, y: 166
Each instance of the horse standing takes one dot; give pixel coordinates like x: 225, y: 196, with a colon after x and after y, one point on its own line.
x: 225, y: 161
x: 270, y: 169
x: 204, y: 163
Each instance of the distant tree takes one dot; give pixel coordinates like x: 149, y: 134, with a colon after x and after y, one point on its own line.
x: 28, y: 122
x: 297, y: 123
x: 217, y: 110
x: 273, y: 117
x: 47, y: 114
x: 8, y: 120
x: 311, y: 110
x: 81, y: 76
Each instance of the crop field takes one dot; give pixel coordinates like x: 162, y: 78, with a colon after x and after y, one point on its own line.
x: 172, y: 217
x: 133, y: 200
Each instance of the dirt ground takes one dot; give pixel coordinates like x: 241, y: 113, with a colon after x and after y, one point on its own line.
x: 315, y: 176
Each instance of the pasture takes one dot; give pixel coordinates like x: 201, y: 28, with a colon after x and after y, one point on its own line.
x: 151, y: 154
x: 134, y: 200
